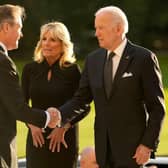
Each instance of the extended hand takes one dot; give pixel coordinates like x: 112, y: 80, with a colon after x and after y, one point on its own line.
x: 55, y: 117
x: 37, y: 136
x: 56, y: 138
x: 142, y: 154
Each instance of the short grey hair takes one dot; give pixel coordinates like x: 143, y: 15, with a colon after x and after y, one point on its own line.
x: 118, y: 15
x: 8, y: 13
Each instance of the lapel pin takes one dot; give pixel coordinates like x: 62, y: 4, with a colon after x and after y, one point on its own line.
x: 127, y: 57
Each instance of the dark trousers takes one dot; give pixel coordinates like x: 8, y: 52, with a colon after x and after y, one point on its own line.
x: 112, y: 163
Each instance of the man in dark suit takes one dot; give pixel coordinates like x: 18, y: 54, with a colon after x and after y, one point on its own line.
x: 12, y: 105
x: 128, y: 98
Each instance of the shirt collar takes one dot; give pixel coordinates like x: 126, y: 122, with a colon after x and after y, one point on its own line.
x: 120, y: 49
x: 4, y: 48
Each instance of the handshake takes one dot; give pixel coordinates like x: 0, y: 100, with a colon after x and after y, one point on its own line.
x: 55, y: 117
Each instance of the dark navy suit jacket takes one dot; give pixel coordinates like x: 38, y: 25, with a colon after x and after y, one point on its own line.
x: 12, y: 108
x: 134, y: 112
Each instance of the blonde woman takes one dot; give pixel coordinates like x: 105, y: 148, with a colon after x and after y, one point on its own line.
x: 51, y: 79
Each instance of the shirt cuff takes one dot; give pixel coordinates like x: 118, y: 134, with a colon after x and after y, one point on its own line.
x: 59, y: 121
x: 48, y: 118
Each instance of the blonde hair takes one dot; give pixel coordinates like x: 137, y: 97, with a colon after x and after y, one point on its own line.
x: 58, y: 31
x: 117, y: 14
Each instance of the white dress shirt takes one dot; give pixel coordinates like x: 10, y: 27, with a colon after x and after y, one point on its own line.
x: 116, y: 58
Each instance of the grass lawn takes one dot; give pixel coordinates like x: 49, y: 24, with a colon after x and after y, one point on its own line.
x: 86, y: 125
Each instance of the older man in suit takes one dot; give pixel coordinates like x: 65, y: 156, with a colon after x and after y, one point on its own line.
x: 12, y: 105
x: 124, y: 80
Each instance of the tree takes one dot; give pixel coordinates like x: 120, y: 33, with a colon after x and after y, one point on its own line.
x: 148, y: 21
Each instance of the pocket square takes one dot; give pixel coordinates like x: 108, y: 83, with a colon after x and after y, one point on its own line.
x: 127, y: 74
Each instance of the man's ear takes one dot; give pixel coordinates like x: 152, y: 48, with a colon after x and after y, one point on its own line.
x: 5, y: 27
x: 119, y: 28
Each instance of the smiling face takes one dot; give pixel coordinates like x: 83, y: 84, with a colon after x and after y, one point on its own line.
x: 108, y: 31
x: 51, y: 47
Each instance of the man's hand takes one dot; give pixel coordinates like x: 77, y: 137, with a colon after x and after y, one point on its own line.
x: 56, y: 138
x: 55, y: 117
x: 142, y: 154
x: 37, y: 136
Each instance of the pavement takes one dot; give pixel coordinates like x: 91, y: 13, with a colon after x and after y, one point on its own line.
x: 160, y: 162
x: 22, y: 163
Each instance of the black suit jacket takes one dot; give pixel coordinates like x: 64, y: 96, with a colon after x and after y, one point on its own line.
x: 12, y: 108
x: 134, y: 112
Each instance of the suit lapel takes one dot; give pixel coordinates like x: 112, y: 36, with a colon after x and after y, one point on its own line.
x: 2, y: 50
x: 10, y: 60
x: 124, y: 62
x: 100, y: 66
x: 12, y: 64
x: 99, y: 61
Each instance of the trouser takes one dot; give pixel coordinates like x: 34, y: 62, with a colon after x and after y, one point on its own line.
x: 112, y: 163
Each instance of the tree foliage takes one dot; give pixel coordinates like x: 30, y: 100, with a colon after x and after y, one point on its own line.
x: 148, y: 21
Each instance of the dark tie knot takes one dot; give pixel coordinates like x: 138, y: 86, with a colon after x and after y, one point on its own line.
x: 111, y: 54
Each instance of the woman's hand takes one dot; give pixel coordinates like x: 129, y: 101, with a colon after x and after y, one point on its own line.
x: 38, y: 139
x: 57, y: 137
